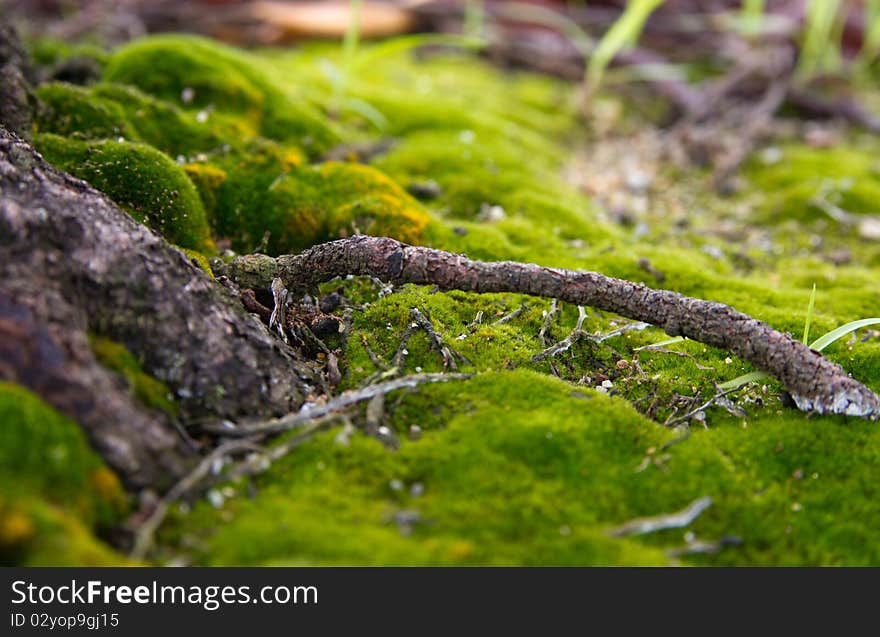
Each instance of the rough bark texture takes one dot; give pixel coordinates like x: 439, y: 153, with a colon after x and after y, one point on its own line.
x: 16, y: 74
x: 72, y: 262
x: 816, y: 383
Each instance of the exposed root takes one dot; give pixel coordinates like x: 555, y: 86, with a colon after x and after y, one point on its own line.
x: 816, y: 383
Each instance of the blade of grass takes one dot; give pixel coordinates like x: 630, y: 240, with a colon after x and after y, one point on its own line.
x: 623, y: 33
x: 818, y: 52
x: 668, y: 341
x: 806, y: 338
x: 824, y: 341
x: 751, y: 17
x: 353, y: 33
x: 474, y: 18
x: 870, y: 50
x: 751, y: 377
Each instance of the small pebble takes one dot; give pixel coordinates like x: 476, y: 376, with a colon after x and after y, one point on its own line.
x: 869, y: 228
x: 215, y: 498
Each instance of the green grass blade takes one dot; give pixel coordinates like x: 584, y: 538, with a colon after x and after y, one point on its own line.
x: 623, y: 33
x: 474, y: 18
x: 371, y: 55
x: 739, y: 381
x: 353, y: 33
x: 806, y: 338
x: 870, y: 50
x: 751, y: 17
x: 824, y: 341
x: 818, y: 52
x: 668, y: 341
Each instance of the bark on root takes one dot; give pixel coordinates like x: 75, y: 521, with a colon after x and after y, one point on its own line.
x: 73, y: 263
x: 816, y: 384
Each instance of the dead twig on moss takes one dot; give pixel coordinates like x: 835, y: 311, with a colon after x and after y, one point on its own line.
x: 815, y: 383
x: 511, y: 315
x: 672, y: 422
x: 678, y: 520
x: 312, y: 412
x: 663, y: 350
x: 565, y: 344
x: 698, y: 547
x: 449, y: 355
x: 143, y: 539
x: 549, y: 318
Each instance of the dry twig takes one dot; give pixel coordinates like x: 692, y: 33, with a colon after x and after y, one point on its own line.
x: 680, y: 519
x: 311, y: 412
x: 815, y: 383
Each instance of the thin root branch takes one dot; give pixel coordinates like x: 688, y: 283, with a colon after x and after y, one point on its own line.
x: 678, y: 520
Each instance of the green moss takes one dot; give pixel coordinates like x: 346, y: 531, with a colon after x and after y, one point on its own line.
x: 114, y: 356
x: 207, y: 180
x: 844, y: 176
x: 55, y: 490
x: 144, y: 181
x: 174, y: 68
x: 539, y: 492
x: 34, y: 532
x: 48, y: 51
x: 299, y: 206
x: 516, y: 467
x: 163, y: 124
x: 74, y: 111
x: 200, y: 260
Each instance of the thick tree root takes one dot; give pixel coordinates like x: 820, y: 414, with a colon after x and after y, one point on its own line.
x: 815, y: 383
x: 72, y: 263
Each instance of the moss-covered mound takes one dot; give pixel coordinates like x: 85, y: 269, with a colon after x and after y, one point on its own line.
x: 142, y: 180
x: 533, y: 460
x: 57, y: 493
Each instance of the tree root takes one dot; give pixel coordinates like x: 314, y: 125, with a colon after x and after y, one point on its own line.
x: 815, y: 383
x: 73, y: 264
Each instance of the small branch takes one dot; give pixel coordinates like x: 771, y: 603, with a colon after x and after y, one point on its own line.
x: 549, y: 318
x: 704, y: 547
x: 511, y: 315
x: 144, y: 535
x: 815, y: 383
x: 449, y: 355
x: 620, y: 331
x: 278, y: 319
x: 683, y: 518
x: 693, y: 412
x: 311, y: 412
x: 565, y: 344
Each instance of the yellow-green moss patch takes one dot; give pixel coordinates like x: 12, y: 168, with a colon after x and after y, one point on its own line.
x: 55, y: 492
x: 144, y: 181
x: 114, y: 356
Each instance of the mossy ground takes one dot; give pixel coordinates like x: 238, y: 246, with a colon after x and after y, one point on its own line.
x: 56, y: 493
x: 526, y: 463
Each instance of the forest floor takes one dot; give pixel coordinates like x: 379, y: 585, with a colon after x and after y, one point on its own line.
x: 540, y: 457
